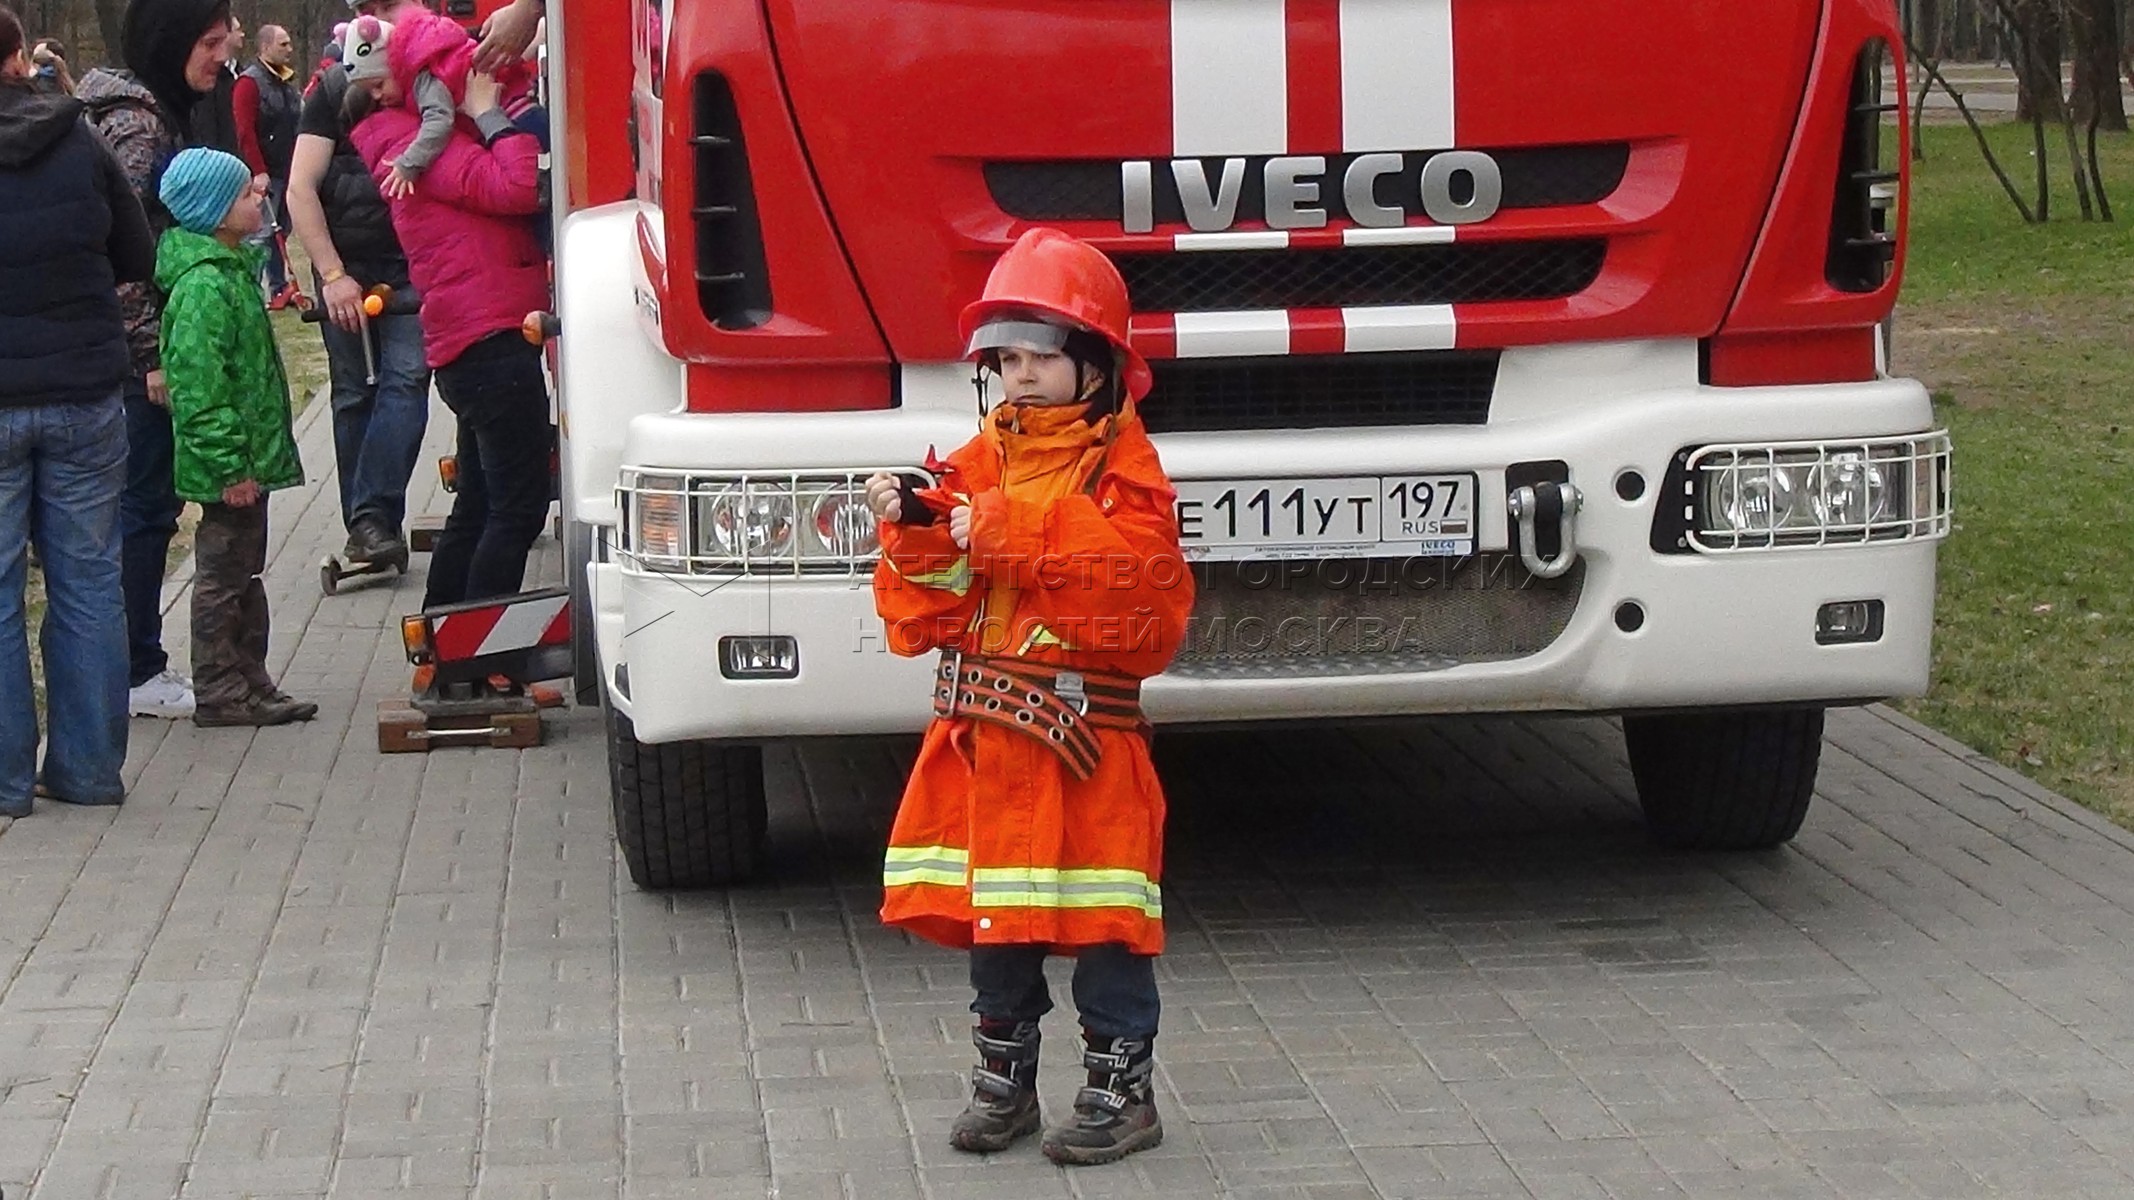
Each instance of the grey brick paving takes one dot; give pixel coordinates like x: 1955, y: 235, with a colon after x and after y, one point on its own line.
x: 1431, y: 960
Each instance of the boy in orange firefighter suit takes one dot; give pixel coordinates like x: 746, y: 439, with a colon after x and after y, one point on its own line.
x: 1044, y: 567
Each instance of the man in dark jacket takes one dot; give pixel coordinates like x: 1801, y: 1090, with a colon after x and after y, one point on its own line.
x: 338, y: 215
x: 175, y: 50
x: 70, y: 230
x: 266, y: 105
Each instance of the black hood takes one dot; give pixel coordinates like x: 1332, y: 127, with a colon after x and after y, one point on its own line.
x: 158, y: 37
x: 30, y: 121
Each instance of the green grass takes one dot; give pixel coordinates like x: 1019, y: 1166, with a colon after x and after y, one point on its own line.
x: 2023, y: 332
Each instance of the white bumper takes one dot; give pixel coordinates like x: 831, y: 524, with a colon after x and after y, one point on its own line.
x: 1717, y: 630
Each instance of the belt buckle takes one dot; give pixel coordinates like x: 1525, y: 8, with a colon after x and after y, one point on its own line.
x: 953, y: 661
x: 1067, y: 685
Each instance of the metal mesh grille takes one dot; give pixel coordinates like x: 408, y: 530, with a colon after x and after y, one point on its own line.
x: 1364, y: 275
x: 1370, y: 616
x: 1444, y: 387
x: 1534, y: 177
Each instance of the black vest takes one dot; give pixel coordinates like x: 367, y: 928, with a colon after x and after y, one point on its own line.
x: 280, y: 105
x: 61, y: 337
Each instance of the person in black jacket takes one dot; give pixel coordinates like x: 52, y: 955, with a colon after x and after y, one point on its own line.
x: 71, y: 229
x: 378, y: 416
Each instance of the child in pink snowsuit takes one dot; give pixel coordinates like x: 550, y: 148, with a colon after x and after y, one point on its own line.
x: 430, y: 57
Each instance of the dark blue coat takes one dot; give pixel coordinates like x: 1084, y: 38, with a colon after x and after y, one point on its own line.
x: 70, y: 230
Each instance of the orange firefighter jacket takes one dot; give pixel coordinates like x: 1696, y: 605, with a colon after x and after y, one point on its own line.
x: 1073, y: 563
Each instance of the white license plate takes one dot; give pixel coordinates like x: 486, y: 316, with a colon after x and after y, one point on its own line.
x: 1354, y: 516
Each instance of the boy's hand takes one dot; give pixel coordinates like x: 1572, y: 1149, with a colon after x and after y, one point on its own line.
x: 158, y: 391
x: 241, y: 495
x: 959, y: 526
x: 399, y: 185
x: 882, y: 498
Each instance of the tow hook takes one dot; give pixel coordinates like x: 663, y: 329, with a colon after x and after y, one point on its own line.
x: 1538, y: 508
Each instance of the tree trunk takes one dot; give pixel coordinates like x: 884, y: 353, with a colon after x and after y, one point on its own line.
x: 110, y: 20
x: 2094, y: 26
x: 2034, y: 45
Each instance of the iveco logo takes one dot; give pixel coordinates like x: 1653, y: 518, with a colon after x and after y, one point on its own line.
x: 1305, y: 191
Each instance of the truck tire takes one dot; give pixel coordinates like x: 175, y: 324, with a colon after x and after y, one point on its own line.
x: 1725, y: 781
x: 687, y: 814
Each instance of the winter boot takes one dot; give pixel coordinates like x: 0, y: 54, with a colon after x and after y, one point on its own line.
x: 1003, y: 1103
x: 1115, y: 1114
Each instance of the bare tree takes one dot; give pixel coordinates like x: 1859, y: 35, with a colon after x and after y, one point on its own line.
x: 2094, y: 27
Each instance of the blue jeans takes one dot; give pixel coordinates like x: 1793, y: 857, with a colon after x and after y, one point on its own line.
x: 496, y: 389
x: 62, y: 467
x: 148, y: 519
x: 276, y: 269
x: 1114, y: 988
x: 377, y: 428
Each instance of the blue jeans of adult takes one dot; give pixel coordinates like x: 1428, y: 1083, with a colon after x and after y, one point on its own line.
x: 378, y: 427
x: 496, y: 389
x: 148, y: 519
x: 62, y: 467
x: 1114, y: 988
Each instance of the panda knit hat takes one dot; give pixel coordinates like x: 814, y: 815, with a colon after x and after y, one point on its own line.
x: 363, y: 48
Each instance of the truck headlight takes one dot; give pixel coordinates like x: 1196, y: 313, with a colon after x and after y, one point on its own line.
x: 754, y: 523
x: 746, y: 522
x: 1759, y: 497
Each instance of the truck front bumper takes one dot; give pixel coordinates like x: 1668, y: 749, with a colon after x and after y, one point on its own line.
x: 1709, y: 629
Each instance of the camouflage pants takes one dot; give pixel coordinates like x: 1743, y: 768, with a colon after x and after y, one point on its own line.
x: 230, y: 605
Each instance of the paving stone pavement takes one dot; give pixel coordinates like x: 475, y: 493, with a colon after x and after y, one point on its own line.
x: 1411, y: 960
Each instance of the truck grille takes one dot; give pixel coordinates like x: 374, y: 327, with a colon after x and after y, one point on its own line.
x: 1534, y: 177
x: 1370, y: 616
x: 1438, y: 387
x: 1361, y: 275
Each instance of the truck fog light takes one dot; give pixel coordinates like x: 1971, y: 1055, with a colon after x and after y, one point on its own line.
x: 1760, y: 494
x: 1844, y: 622
x: 774, y: 657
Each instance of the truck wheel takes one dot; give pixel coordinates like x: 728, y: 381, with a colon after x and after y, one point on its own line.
x: 687, y: 814
x: 1725, y: 781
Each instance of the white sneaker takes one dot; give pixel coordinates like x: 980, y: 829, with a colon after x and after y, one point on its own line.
x: 167, y: 695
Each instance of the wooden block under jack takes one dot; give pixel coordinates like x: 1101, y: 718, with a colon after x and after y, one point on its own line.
x: 405, y: 729
x: 422, y: 533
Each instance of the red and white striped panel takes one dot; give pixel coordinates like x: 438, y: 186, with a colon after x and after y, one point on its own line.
x: 502, y: 629
x: 1265, y: 77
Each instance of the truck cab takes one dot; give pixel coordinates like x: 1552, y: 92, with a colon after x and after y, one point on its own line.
x: 1508, y: 358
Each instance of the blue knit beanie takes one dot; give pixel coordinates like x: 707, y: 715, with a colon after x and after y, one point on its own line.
x: 200, y: 185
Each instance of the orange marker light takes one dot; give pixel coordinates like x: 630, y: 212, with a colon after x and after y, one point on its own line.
x: 373, y: 305
x: 415, y: 637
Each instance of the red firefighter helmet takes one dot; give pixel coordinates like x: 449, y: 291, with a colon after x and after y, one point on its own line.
x: 1054, y: 277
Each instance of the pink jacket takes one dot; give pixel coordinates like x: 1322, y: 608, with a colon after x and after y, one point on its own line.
x: 467, y: 230
x: 428, y: 41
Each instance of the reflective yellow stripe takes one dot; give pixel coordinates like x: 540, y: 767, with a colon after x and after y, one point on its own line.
x: 956, y: 577
x: 1046, y: 887
x: 942, y: 865
x: 1041, y: 636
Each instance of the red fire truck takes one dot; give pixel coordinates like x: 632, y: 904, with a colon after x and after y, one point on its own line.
x: 1508, y: 357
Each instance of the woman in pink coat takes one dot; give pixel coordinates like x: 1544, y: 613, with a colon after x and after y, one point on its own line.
x: 473, y: 254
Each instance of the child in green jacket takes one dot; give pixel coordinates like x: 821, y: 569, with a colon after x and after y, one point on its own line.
x: 229, y: 402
